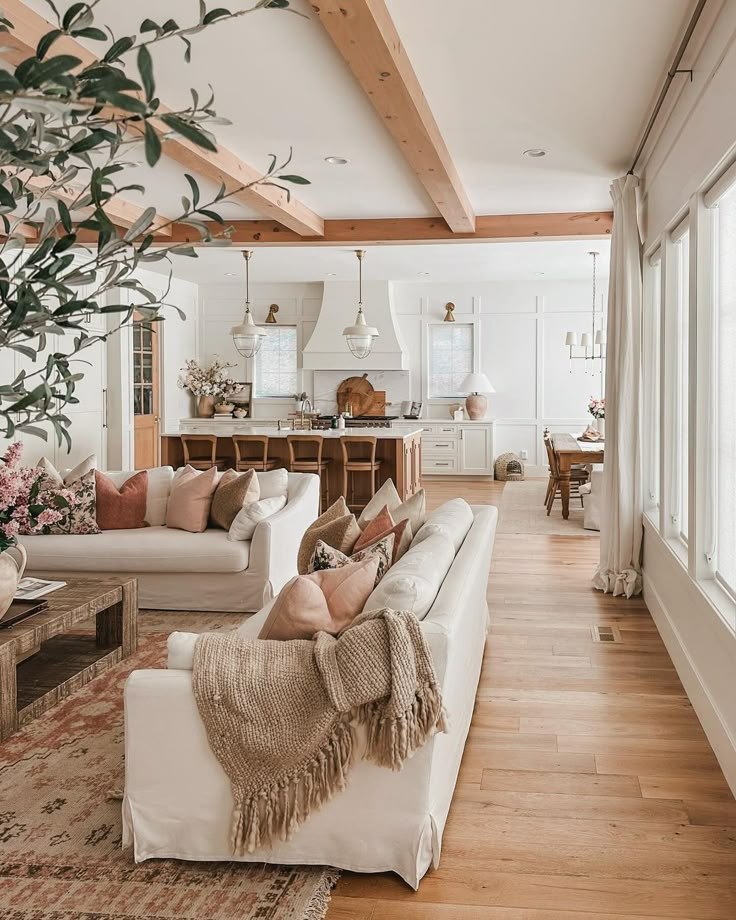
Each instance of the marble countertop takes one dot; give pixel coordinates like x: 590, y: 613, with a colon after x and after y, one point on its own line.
x: 225, y: 429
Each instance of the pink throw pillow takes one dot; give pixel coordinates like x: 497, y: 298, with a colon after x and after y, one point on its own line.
x: 323, y: 601
x: 124, y: 508
x: 190, y: 499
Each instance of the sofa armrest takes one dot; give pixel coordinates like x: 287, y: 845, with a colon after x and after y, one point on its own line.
x: 276, y: 540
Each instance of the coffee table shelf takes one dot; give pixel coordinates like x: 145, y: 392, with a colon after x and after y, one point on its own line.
x: 46, y: 657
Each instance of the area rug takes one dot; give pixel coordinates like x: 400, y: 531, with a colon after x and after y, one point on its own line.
x: 522, y: 510
x: 60, y: 829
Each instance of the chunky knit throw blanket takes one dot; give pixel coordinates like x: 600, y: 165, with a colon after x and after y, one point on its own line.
x: 278, y: 714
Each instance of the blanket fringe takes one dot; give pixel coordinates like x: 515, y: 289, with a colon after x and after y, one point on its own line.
x: 391, y: 739
x: 279, y: 810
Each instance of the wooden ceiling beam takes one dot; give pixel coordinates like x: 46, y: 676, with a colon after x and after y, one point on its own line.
x: 222, y: 166
x: 366, y: 37
x: 492, y: 227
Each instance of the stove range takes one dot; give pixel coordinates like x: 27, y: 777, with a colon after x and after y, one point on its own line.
x: 358, y: 421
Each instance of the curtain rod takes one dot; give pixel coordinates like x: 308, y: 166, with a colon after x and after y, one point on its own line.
x: 673, y: 70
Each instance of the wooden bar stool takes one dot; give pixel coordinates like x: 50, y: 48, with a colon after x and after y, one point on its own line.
x: 200, y: 462
x: 305, y: 456
x: 357, y: 459
x: 251, y: 453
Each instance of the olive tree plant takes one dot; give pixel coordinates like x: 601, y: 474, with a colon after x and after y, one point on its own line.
x: 67, y: 131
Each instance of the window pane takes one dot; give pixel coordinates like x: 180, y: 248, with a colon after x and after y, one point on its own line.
x: 147, y: 338
x: 726, y: 393
x: 276, y: 363
x: 652, y: 323
x: 683, y: 404
x: 450, y: 358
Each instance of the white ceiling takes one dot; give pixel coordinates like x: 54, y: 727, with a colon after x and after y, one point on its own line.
x: 576, y: 77
x: 535, y: 260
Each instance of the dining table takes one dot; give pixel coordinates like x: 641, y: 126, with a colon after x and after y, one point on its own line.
x: 570, y: 450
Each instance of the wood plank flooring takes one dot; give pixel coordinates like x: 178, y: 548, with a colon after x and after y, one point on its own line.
x: 588, y: 790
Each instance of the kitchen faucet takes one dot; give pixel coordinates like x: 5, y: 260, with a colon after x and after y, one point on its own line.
x: 307, y: 402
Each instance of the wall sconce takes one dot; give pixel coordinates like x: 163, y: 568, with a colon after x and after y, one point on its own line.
x: 272, y: 311
x: 450, y: 308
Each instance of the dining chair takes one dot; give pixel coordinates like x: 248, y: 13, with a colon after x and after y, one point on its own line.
x: 578, y: 476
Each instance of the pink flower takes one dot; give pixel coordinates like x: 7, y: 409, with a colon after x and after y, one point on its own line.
x: 13, y: 454
x: 49, y: 516
x: 11, y: 529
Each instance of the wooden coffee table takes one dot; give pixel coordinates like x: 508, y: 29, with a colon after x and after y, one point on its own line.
x: 43, y: 659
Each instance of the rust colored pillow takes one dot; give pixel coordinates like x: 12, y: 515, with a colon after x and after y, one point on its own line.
x: 124, y: 508
x: 328, y: 600
x: 380, y: 527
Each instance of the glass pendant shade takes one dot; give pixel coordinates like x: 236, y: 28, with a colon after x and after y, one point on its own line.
x: 360, y: 336
x: 247, y: 337
x: 571, y: 338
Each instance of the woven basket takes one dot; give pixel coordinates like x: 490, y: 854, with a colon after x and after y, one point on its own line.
x: 509, y: 468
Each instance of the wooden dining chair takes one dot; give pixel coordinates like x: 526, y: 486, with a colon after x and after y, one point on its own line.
x: 578, y: 476
x: 196, y: 457
x: 305, y: 456
x: 251, y: 453
x: 357, y: 459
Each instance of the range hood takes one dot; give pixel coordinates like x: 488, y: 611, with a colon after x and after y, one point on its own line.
x: 327, y: 349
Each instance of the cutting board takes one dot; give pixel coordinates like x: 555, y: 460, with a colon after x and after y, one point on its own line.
x: 358, y: 393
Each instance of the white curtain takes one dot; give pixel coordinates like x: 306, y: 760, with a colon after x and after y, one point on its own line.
x: 619, y: 571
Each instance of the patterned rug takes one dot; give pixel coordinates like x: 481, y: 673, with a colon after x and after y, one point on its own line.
x: 60, y: 829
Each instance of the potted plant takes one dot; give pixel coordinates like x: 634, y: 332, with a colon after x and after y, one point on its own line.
x: 597, y: 408
x: 211, y: 385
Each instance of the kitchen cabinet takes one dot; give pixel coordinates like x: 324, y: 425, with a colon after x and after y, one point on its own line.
x: 454, y: 448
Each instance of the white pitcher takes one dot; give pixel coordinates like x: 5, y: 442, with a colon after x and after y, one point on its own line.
x: 11, y: 572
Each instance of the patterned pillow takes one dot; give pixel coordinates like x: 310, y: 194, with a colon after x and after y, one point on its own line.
x: 76, y: 512
x: 325, y: 557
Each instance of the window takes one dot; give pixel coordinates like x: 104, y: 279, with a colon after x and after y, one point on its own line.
x: 651, y: 365
x: 682, y: 301
x: 450, y: 358
x: 276, y: 364
x: 725, y: 380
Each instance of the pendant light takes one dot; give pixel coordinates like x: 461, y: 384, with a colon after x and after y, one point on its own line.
x: 360, y: 336
x: 588, y: 340
x: 247, y: 337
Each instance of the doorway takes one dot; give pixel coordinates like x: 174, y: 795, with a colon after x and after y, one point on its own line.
x: 145, y: 394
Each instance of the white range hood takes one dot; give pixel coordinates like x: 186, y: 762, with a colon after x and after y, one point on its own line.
x: 327, y: 349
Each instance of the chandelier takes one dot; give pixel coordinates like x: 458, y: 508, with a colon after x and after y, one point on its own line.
x: 591, y: 342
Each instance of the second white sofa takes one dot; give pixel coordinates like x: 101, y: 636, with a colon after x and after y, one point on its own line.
x: 178, y: 570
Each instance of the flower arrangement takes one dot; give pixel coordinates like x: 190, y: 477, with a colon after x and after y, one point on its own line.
x: 208, y: 381
x: 28, y: 503
x: 597, y: 407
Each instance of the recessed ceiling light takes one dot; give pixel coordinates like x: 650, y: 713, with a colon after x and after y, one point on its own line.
x: 423, y: 274
x: 229, y: 274
x: 535, y: 152
x: 336, y: 161
x: 539, y: 274
x: 331, y: 274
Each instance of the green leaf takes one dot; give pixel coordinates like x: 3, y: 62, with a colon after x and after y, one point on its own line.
x: 148, y: 25
x: 74, y: 10
x: 296, y: 180
x: 194, y: 187
x: 95, y: 35
x: 65, y: 216
x: 152, y: 144
x: 46, y: 41
x: 118, y: 48
x: 145, y: 67
x: 189, y: 131
x: 215, y: 14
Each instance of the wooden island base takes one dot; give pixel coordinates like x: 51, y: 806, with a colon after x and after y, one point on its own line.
x: 400, y: 455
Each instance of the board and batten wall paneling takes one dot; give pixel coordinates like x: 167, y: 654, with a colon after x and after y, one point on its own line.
x: 221, y: 306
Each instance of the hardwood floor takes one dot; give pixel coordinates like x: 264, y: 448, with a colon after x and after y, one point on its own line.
x: 588, y: 790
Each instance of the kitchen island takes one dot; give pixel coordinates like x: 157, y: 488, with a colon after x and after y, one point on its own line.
x: 400, y: 451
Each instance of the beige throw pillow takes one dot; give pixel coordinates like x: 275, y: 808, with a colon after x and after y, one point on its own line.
x: 413, y: 509
x: 337, y: 527
x: 54, y: 476
x: 324, y: 601
x: 250, y: 516
x: 190, y: 499
x: 234, y: 491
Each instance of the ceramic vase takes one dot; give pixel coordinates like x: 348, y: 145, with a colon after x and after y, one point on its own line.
x: 11, y: 572
x: 600, y: 424
x: 476, y: 406
x: 206, y: 406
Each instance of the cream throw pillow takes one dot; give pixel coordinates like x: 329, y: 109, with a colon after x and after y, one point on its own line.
x: 234, y: 491
x: 250, y: 516
x: 53, y: 475
x: 413, y: 509
x: 190, y: 499
x: 324, y: 601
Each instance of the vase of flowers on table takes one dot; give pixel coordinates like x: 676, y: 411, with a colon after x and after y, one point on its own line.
x: 597, y: 408
x: 28, y: 505
x: 211, y: 385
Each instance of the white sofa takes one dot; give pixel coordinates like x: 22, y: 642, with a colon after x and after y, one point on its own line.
x: 177, y: 797
x: 178, y: 570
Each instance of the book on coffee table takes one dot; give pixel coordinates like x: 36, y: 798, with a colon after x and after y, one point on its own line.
x: 19, y: 610
x: 29, y: 589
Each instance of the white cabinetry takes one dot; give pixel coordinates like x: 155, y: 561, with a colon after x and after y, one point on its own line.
x: 454, y: 449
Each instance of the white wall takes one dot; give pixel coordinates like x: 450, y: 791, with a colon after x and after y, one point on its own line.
x: 521, y: 328
x: 697, y: 139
